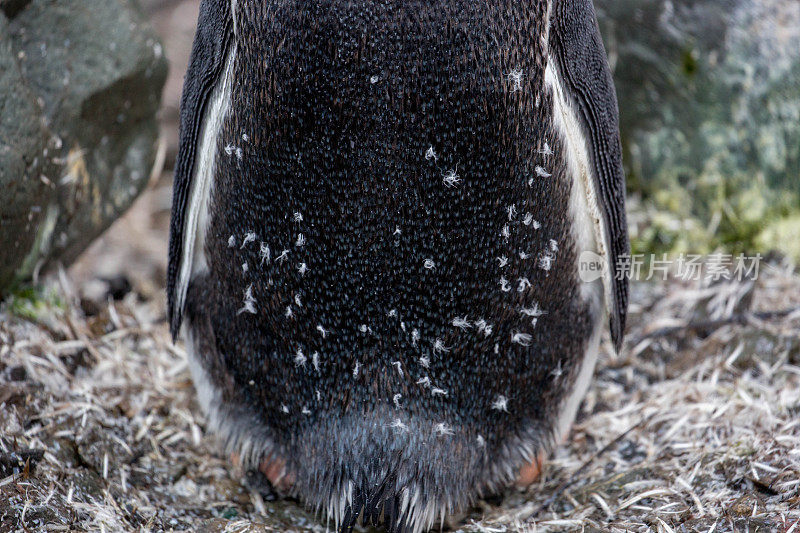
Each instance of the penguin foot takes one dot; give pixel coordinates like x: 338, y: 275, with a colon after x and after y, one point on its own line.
x: 271, y: 468
x: 274, y: 468
x: 529, y: 473
x: 256, y: 481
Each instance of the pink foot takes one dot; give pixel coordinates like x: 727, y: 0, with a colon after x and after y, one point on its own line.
x: 529, y: 473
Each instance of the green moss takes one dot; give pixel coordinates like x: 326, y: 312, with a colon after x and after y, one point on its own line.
x: 229, y: 514
x: 738, y: 214
x: 783, y: 235
x: 32, y: 303
x: 689, y: 62
x: 743, y: 449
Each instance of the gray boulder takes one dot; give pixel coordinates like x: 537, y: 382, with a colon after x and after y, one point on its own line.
x: 80, y: 85
x: 709, y: 96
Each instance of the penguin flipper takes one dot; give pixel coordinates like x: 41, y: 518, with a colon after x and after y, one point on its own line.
x: 207, y: 67
x: 577, y: 47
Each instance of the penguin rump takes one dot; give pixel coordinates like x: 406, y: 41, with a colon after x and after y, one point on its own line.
x: 378, y: 218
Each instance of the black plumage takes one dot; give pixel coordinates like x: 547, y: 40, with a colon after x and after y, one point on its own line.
x: 389, y: 299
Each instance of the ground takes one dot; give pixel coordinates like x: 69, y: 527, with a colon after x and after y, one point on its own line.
x: 695, y: 426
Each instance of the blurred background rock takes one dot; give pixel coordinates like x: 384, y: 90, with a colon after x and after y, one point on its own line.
x: 80, y: 86
x: 709, y: 96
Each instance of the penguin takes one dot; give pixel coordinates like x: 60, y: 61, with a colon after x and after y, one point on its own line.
x: 379, y: 218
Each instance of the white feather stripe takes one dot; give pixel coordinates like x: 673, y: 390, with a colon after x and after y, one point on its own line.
x: 193, y: 258
x: 234, y: 5
x: 588, y: 230
x: 588, y: 226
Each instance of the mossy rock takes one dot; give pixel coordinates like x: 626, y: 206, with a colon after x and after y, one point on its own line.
x: 785, y: 231
x: 710, y: 117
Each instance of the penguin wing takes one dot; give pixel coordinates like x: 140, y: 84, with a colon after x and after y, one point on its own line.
x: 584, y: 75
x: 207, y: 66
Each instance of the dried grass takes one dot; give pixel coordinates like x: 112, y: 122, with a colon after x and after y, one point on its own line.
x: 691, y: 429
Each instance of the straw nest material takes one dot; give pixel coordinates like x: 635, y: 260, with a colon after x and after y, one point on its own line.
x: 694, y: 427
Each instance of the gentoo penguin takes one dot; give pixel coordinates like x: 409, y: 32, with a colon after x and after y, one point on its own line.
x: 378, y: 216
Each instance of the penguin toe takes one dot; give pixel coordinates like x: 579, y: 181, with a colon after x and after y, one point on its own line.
x: 236, y: 460
x: 257, y: 482
x: 274, y: 468
x: 530, y: 472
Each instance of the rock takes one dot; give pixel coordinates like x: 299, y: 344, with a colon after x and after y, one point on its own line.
x: 23, y: 139
x: 80, y: 85
x: 710, y: 113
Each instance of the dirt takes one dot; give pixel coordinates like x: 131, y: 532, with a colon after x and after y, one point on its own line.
x: 694, y: 426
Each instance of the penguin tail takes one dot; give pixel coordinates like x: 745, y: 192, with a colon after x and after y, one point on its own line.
x: 381, y: 501
x: 403, y: 475
x: 375, y: 504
